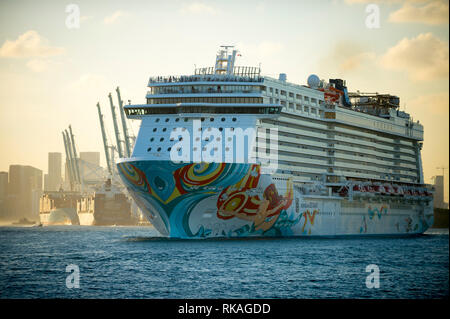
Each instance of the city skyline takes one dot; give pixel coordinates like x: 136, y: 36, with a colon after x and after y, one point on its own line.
x: 64, y: 71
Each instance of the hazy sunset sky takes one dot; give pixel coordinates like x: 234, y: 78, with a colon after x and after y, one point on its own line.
x: 52, y: 76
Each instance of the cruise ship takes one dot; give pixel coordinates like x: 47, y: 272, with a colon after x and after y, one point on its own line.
x: 228, y: 152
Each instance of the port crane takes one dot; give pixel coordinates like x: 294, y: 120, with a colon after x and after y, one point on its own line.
x: 123, y: 147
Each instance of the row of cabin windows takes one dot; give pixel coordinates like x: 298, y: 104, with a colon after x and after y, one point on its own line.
x: 184, y: 129
x: 297, y: 96
x: 202, y: 109
x: 174, y: 100
x: 299, y: 107
x: 184, y: 89
x: 167, y: 120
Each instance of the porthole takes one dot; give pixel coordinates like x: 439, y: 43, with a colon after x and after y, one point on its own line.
x: 171, y: 139
x: 221, y: 129
x: 180, y: 138
x: 234, y: 119
x: 177, y: 120
x: 157, y: 120
x: 202, y: 119
x: 167, y: 120
x: 159, y: 149
x: 211, y: 119
x: 164, y: 129
x: 152, y: 139
x: 222, y: 119
x: 169, y: 149
x: 161, y: 139
x: 149, y: 149
x: 154, y: 130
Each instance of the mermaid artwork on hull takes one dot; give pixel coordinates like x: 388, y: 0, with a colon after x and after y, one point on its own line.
x: 243, y: 201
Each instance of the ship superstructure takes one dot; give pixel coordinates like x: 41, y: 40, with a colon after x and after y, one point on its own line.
x: 346, y: 163
x: 107, y: 206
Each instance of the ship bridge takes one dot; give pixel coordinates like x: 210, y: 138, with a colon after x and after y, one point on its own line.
x: 222, y: 89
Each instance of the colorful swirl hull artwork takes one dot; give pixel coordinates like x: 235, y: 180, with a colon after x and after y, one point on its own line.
x: 202, y: 200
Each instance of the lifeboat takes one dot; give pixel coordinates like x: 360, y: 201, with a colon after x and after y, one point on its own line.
x: 343, y: 191
x: 389, y: 190
x: 395, y: 188
x: 358, y: 188
x: 380, y: 189
x: 407, y: 192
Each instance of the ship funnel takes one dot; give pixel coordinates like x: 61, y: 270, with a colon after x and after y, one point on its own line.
x: 282, y: 77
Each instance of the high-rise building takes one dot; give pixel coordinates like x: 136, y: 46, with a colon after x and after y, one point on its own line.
x: 3, y: 193
x: 24, y: 190
x: 54, y: 172
x: 438, y: 197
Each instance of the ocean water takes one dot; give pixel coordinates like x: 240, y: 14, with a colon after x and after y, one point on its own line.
x: 133, y: 262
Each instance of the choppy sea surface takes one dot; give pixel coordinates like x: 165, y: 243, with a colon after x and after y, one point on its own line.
x: 133, y: 262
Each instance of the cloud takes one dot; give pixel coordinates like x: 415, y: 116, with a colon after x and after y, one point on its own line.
x: 431, y: 104
x: 40, y: 65
x: 29, y: 44
x: 424, y: 57
x: 434, y: 13
x: 198, y: 8
x: 113, y: 18
x: 350, y: 56
x: 353, y: 62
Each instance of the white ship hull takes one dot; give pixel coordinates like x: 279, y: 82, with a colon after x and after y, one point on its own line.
x: 236, y: 200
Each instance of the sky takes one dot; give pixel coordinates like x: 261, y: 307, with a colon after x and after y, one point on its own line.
x: 53, y: 71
